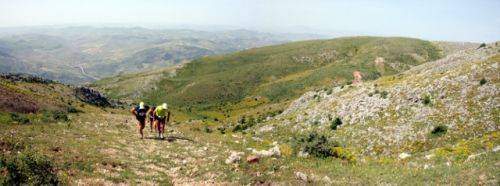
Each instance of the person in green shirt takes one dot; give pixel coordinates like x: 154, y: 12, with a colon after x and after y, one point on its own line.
x: 162, y: 116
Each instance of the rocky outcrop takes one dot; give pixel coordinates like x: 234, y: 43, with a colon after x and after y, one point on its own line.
x: 91, y: 96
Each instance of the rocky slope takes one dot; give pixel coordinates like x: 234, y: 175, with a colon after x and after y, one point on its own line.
x: 397, y: 114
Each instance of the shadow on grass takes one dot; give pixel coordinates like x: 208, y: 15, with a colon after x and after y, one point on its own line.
x: 170, y: 138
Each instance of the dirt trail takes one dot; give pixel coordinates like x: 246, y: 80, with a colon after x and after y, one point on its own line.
x: 182, y: 158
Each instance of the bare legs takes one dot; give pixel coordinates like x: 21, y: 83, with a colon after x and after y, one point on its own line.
x: 151, y: 123
x: 161, y: 127
x: 141, y: 126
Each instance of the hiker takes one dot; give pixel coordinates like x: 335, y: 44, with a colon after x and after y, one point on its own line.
x: 140, y: 114
x: 162, y: 116
x: 151, y: 116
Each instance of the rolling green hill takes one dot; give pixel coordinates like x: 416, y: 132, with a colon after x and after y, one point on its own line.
x: 277, y: 74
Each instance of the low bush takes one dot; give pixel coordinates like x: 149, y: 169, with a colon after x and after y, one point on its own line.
x: 222, y: 129
x: 439, y: 130
x: 384, y: 94
x: 244, y: 123
x: 343, y: 153
x: 426, y: 100
x: 335, y: 123
x: 52, y: 116
x: 19, y: 118
x: 27, y: 169
x: 482, y: 81
x: 72, y: 109
x: 314, y: 144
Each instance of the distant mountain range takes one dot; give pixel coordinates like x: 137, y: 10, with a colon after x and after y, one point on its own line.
x: 77, y: 55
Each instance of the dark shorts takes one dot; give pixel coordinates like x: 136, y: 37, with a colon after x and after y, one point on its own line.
x: 142, y: 120
x: 160, y: 119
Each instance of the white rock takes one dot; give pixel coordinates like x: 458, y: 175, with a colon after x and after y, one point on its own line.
x: 275, y: 152
x: 497, y: 148
x: 303, y: 154
x: 327, y: 180
x: 404, y: 155
x: 429, y: 156
x: 301, y: 176
x: 234, y: 157
x: 266, y: 128
x: 427, y: 166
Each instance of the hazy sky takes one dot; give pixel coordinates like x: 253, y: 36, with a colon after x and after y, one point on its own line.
x: 457, y: 20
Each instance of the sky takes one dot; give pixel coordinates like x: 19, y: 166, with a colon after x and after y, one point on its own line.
x: 451, y: 20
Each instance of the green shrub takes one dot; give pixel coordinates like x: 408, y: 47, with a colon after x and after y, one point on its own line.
x: 28, y: 169
x: 222, y: 129
x: 315, y: 144
x: 19, y: 118
x: 343, y: 153
x: 439, y: 130
x: 244, y: 124
x: 335, y: 123
x: 52, y: 116
x: 72, y: 109
x: 384, y: 94
x: 482, y: 81
x: 426, y: 100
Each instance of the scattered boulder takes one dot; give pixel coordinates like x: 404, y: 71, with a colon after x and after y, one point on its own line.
x: 303, y: 154
x: 404, y: 155
x: 234, y: 157
x: 497, y: 148
x: 275, y: 151
x: 301, y: 176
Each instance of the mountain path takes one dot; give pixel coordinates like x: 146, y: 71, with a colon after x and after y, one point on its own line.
x: 179, y: 157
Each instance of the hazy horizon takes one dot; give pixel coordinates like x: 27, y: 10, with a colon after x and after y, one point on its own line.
x: 447, y: 20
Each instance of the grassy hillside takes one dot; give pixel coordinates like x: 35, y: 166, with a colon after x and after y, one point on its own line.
x: 130, y: 87
x: 277, y: 74
x: 434, y: 124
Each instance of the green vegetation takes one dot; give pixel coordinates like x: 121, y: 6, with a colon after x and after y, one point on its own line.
x: 335, y: 123
x: 281, y: 73
x: 482, y: 81
x: 21, y: 165
x: 27, y: 168
x: 426, y: 100
x: 19, y: 118
x: 315, y: 144
x: 439, y: 130
x: 244, y: 123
